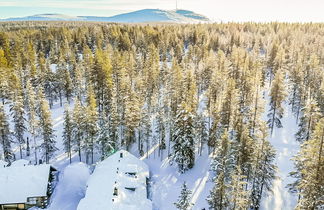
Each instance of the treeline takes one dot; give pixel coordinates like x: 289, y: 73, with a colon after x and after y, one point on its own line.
x: 184, y: 88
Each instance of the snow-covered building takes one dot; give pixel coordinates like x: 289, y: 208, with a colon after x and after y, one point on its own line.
x: 23, y: 186
x: 118, y: 182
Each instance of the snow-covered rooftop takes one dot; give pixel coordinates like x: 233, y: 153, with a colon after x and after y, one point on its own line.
x: 3, y: 163
x: 20, y: 162
x: 21, y: 182
x: 123, y: 173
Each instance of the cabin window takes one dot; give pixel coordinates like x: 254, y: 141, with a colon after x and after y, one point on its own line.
x: 32, y: 200
x: 121, y: 155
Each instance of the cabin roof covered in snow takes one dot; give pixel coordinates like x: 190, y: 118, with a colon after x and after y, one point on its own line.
x: 124, y: 174
x: 20, y: 162
x: 22, y: 182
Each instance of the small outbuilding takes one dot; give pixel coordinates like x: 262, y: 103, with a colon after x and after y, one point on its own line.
x: 118, y: 182
x: 24, y: 186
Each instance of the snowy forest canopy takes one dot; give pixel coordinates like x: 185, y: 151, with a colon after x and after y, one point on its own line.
x: 184, y: 88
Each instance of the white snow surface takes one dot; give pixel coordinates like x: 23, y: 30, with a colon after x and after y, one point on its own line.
x: 20, y: 182
x: 113, y: 173
x: 71, y: 187
x: 167, y: 182
x: 283, y: 140
x: 19, y: 163
x: 3, y: 163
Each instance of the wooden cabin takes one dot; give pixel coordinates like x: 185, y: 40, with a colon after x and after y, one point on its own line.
x: 26, y: 186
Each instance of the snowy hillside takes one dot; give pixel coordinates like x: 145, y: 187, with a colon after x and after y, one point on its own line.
x: 140, y: 16
x: 45, y: 17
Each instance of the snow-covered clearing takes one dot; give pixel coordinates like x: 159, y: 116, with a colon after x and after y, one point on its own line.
x: 166, y: 182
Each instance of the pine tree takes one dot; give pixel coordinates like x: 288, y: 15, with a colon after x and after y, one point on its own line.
x: 5, y: 137
x: 78, y: 127
x: 201, y: 132
x: 183, y: 202
x: 67, y: 132
x: 32, y: 117
x: 218, y: 198
x: 46, y: 127
x: 68, y: 86
x: 102, y: 80
x: 310, y: 164
x: 113, y: 119
x: 229, y: 106
x: 277, y: 97
x: 91, y: 124
x: 222, y: 166
x: 310, y: 116
x: 132, y: 117
x: 4, y: 73
x: 264, y: 169
x: 239, y: 196
x: 18, y: 115
x: 105, y: 136
x: 183, y: 136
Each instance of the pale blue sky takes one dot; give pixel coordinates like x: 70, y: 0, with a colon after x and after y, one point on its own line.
x: 226, y: 10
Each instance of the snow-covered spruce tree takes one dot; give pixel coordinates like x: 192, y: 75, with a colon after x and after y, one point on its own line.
x: 68, y: 85
x: 18, y: 115
x: 91, y: 124
x: 296, y: 78
x: 264, y: 169
x: 160, y: 129
x: 310, y: 169
x: 222, y: 167
x: 183, y: 202
x: 4, y: 73
x: 113, y: 119
x: 5, y: 137
x: 46, y: 128
x: 183, y: 149
x: 239, y: 196
x: 230, y: 105
x: 145, y: 133
x: 78, y: 127
x: 132, y: 117
x: 32, y: 116
x: 277, y: 97
x: 67, y: 132
x: 310, y: 116
x: 101, y: 77
x: 105, y: 137
x: 78, y: 81
x: 201, y: 132
x: 244, y: 147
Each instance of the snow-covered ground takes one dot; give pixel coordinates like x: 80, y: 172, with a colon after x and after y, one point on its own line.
x: 283, y: 140
x: 166, y: 181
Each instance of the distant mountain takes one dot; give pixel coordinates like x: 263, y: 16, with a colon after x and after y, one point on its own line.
x: 140, y: 16
x: 45, y: 17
